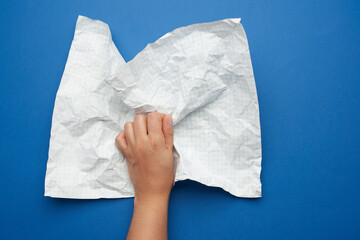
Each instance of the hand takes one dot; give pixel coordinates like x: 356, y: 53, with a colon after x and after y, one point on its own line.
x: 147, y: 144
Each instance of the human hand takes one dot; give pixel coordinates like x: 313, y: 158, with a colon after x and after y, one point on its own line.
x: 147, y: 144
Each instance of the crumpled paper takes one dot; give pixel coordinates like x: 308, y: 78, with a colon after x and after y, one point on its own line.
x: 201, y: 74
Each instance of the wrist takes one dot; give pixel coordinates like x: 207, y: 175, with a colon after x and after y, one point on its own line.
x: 152, y: 201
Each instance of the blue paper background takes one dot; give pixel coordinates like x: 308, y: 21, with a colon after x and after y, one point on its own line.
x: 306, y: 59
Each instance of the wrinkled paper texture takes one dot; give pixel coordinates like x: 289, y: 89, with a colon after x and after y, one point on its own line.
x: 201, y: 74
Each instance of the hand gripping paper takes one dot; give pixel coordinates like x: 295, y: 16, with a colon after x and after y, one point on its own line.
x: 201, y: 74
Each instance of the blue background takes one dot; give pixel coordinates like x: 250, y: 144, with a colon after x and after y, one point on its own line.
x: 306, y: 59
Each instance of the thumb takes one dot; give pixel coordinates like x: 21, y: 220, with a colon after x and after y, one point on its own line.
x: 167, y: 126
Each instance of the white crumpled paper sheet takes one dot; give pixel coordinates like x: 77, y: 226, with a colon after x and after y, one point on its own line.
x: 201, y: 74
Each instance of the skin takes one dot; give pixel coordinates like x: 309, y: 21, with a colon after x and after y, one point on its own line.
x: 147, y: 144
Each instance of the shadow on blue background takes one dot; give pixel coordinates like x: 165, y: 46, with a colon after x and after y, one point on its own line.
x: 306, y: 57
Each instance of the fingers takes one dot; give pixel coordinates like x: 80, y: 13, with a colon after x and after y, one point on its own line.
x: 158, y: 126
x: 140, y: 128
x: 121, y: 142
x: 167, y: 127
x: 154, y: 123
x: 129, y: 133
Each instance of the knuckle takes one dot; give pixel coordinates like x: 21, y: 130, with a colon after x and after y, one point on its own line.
x: 127, y: 125
x: 139, y: 116
x: 152, y: 115
x: 140, y: 141
x: 129, y: 158
x: 153, y: 145
x: 133, y: 163
x: 139, y: 148
x: 155, y: 141
x: 118, y: 139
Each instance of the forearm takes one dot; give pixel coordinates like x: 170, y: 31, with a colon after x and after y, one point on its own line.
x: 149, y: 218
